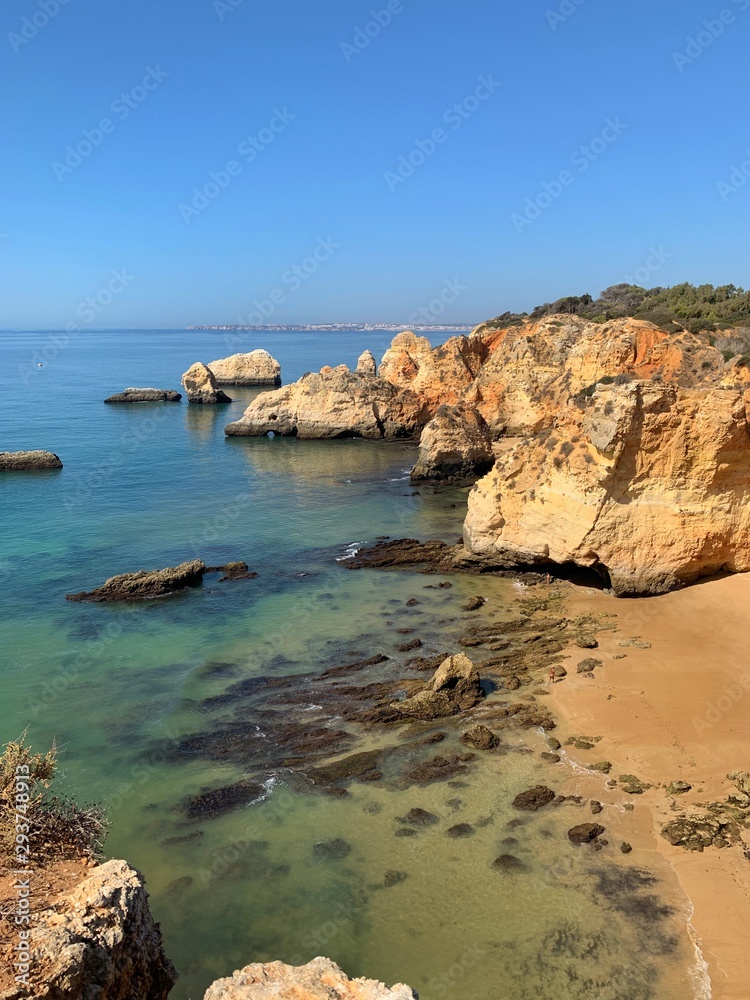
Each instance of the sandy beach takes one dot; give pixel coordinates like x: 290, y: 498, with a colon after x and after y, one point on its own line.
x: 675, y: 711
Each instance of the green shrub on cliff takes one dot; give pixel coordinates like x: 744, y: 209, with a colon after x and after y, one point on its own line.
x: 56, y: 827
x: 696, y: 308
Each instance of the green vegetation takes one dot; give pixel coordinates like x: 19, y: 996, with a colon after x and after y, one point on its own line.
x: 56, y: 827
x: 690, y: 307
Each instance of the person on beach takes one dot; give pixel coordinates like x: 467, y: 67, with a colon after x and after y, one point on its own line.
x: 552, y: 676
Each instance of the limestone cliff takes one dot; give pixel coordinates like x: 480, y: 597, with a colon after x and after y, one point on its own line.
x: 201, y: 386
x: 320, y: 979
x: 645, y: 483
x: 98, y: 941
x: 334, y: 403
x: 455, y: 445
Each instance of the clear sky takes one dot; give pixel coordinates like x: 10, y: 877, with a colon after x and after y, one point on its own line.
x: 545, y: 147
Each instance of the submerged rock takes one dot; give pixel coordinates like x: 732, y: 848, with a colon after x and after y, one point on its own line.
x: 255, y: 368
x: 481, y: 737
x: 420, y: 817
x: 320, y: 979
x: 207, y: 805
x: 509, y: 864
x: 332, y: 850
x: 201, y: 386
x: 26, y: 461
x: 145, y: 396
x: 99, y: 940
x: 455, y: 445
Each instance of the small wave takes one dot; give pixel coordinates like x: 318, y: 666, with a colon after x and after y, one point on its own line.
x: 312, y: 708
x: 268, y: 786
x: 350, y: 551
x: 399, y: 479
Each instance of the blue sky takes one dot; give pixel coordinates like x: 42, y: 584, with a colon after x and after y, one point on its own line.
x: 546, y: 147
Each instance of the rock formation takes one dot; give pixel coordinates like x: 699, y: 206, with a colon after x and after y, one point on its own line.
x: 24, y: 461
x: 332, y: 404
x: 366, y: 364
x: 201, y: 386
x: 98, y: 940
x: 455, y: 445
x: 146, y: 584
x: 255, y: 368
x: 436, y: 374
x: 145, y: 396
x: 320, y: 979
x: 455, y: 687
x: 645, y: 483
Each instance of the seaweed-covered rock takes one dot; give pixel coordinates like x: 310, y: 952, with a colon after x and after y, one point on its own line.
x: 585, y: 833
x: 534, y: 799
x: 481, y: 737
x: 145, y: 584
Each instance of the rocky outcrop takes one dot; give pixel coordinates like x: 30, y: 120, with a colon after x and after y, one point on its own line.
x: 455, y: 687
x: 645, y: 483
x: 25, y: 461
x: 455, y: 445
x: 366, y: 364
x: 147, y: 584
x: 145, y: 396
x: 533, y: 368
x: 436, y: 374
x: 201, y: 386
x: 334, y: 403
x: 320, y: 979
x: 255, y: 368
x: 98, y: 940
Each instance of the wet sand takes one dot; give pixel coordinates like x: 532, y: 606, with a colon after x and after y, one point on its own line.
x: 676, y: 711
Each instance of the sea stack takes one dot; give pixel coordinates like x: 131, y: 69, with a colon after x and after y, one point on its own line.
x: 366, y: 364
x: 201, y: 386
x: 256, y: 368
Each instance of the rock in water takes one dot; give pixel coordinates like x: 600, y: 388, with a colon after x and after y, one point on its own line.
x: 201, y: 386
x: 145, y: 584
x: 145, y: 396
x: 366, y: 364
x: 25, y: 461
x: 255, y: 368
x: 534, y: 799
x: 99, y: 940
x: 334, y: 403
x: 585, y: 833
x: 645, y: 483
x: 320, y: 979
x: 455, y: 445
x: 455, y: 687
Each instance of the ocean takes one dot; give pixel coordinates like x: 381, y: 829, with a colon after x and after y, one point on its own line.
x: 154, y: 704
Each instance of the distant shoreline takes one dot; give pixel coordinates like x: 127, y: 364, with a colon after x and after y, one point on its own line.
x: 347, y: 328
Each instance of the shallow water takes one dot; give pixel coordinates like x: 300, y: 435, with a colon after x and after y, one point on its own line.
x: 118, y: 687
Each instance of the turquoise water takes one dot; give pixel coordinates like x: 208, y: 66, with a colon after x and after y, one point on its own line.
x: 119, y: 687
